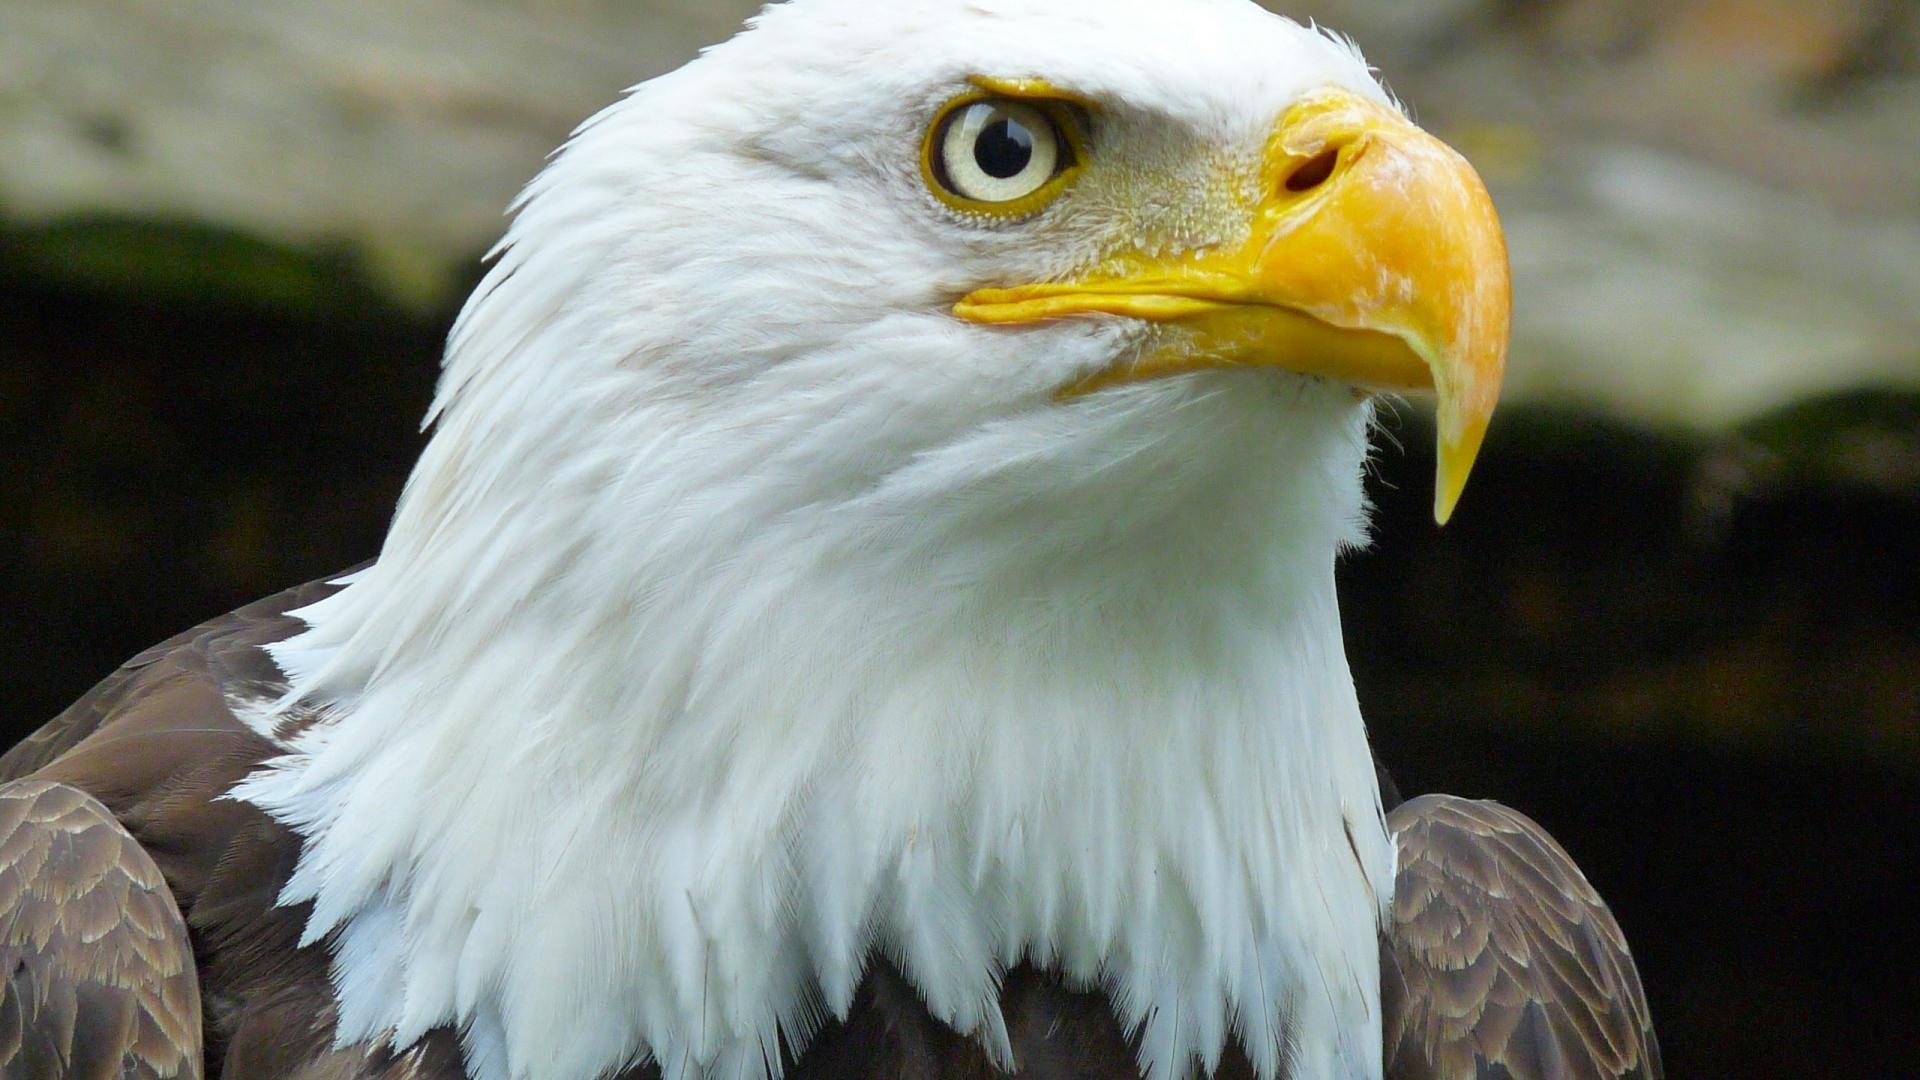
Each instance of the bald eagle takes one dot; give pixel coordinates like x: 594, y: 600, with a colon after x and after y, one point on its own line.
x: 866, y: 608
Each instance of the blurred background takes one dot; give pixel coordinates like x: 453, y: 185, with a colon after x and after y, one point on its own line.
x: 1675, y: 619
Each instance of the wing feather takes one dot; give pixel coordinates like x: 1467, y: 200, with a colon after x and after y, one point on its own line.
x: 100, y: 978
x: 1502, y: 962
x: 91, y: 928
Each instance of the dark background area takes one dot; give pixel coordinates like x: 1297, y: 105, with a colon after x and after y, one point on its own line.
x: 1696, y: 662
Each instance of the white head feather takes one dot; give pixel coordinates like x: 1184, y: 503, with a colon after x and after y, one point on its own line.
x: 748, y: 613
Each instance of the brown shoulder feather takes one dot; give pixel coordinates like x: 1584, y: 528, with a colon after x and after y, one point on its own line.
x: 1502, y: 962
x: 158, y: 745
x: 100, y: 977
x: 223, y: 655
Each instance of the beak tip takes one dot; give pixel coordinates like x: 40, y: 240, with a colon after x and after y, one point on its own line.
x: 1446, y: 496
x: 1459, y: 446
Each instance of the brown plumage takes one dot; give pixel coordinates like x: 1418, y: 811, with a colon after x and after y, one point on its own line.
x: 157, y: 744
x: 1503, y: 962
x: 100, y: 974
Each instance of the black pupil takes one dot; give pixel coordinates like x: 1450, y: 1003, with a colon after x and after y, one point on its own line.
x: 1003, y: 148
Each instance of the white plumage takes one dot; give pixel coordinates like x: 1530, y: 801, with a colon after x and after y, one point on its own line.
x: 748, y: 612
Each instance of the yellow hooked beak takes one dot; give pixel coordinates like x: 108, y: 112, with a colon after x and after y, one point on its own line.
x: 1375, y: 258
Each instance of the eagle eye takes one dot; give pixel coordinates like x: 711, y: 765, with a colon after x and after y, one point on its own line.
x: 999, y: 155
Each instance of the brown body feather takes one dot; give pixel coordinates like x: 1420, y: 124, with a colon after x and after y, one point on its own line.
x: 1502, y: 961
x: 100, y: 973
x: 161, y: 857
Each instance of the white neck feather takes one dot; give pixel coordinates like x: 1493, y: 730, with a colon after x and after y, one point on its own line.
x: 595, y: 818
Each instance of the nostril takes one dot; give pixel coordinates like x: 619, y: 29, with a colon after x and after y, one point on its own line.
x: 1315, y: 171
